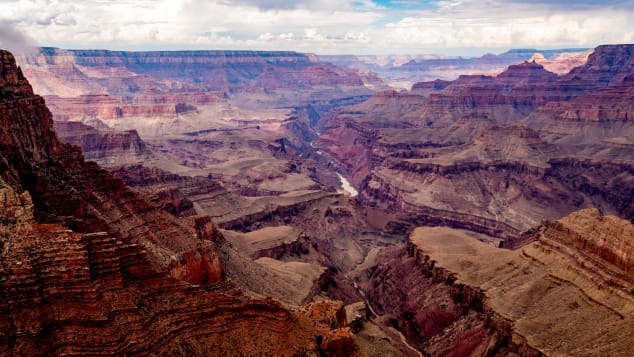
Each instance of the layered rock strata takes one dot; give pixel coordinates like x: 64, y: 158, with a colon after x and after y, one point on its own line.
x: 243, y: 116
x: 499, y: 153
x: 114, y: 84
x: 108, y: 148
x: 108, y: 107
x: 567, y: 293
x: 76, y: 294
x: 86, y: 261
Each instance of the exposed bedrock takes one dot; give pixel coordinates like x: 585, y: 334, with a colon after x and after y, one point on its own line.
x: 291, y: 249
x: 272, y: 255
x: 425, y: 304
x: 607, y: 64
x: 66, y: 189
x: 201, y: 265
x: 108, y: 148
x: 76, y: 294
x: 108, y: 107
x: 453, y: 295
x: 401, y: 71
x: 517, y: 195
x: 601, y: 238
x: 173, y: 201
x: 85, y: 262
x: 613, y: 103
x: 141, y: 177
x: 165, y: 189
x: 281, y: 212
x: 610, y: 185
x: 496, y: 154
x: 116, y: 84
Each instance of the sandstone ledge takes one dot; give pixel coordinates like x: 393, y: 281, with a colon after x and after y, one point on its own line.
x: 541, y: 298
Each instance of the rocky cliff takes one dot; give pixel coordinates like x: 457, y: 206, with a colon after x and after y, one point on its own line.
x: 108, y: 148
x: 86, y: 262
x: 607, y: 64
x: 115, y: 84
x: 218, y: 70
x: 243, y: 116
x: 567, y: 293
x: 108, y: 107
x: 512, y: 148
x: 604, y: 239
x: 613, y: 103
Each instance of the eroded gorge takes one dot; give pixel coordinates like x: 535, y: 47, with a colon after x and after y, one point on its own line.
x: 247, y: 203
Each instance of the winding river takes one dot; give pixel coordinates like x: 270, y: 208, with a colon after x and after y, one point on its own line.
x: 347, y: 187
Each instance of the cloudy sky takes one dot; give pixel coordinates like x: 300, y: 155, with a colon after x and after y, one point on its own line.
x: 468, y: 27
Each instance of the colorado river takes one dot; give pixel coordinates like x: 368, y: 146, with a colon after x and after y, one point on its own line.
x: 347, y: 187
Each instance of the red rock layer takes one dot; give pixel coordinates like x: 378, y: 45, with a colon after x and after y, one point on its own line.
x: 615, y: 103
x: 515, y: 92
x: 215, y: 70
x: 107, y: 107
x: 424, y: 304
x: 527, y: 86
x: 66, y: 189
x: 106, y: 147
x: 110, y: 85
x: 608, y: 64
x: 166, y: 189
x: 515, y: 148
x: 84, y: 261
x: 67, y: 293
x: 607, y: 238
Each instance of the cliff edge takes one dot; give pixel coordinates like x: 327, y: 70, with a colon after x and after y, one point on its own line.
x: 87, y: 266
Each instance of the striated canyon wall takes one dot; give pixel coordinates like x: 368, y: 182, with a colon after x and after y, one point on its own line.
x: 216, y: 69
x: 453, y: 295
x: 86, y: 262
x: 505, y: 151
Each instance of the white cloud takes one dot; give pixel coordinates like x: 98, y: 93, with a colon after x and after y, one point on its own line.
x: 322, y: 26
x: 285, y: 4
x: 496, y: 24
x: 14, y: 41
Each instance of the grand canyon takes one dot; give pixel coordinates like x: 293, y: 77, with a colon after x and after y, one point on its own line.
x: 283, y: 203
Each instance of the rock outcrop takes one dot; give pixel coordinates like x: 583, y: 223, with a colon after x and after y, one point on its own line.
x: 109, y: 107
x: 108, y: 148
x: 608, y: 64
x: 567, y: 293
x: 243, y: 116
x: 601, y: 238
x: 610, y: 104
x: 111, y: 85
x: 86, y: 261
x: 514, y: 148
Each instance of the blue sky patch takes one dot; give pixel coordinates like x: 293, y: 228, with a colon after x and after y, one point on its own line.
x: 408, y: 4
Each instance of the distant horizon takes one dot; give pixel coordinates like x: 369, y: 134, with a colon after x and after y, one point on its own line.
x: 448, y: 54
x: 326, y: 27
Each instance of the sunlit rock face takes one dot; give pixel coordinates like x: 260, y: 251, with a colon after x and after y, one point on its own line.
x: 112, y: 84
x: 452, y: 293
x: 244, y: 115
x: 495, y: 153
x: 89, y: 266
